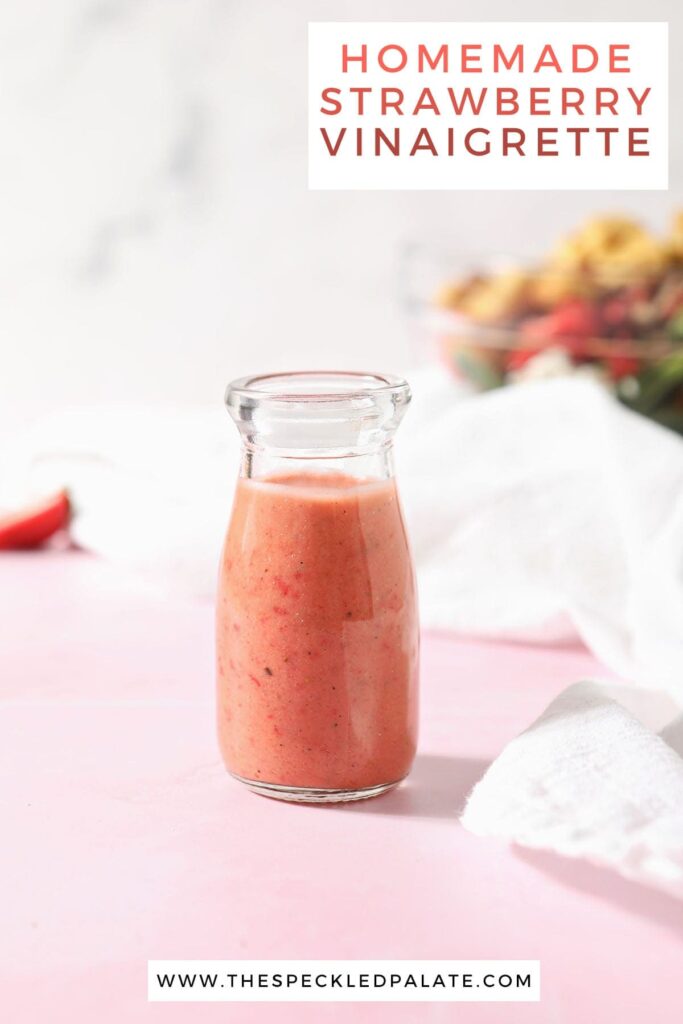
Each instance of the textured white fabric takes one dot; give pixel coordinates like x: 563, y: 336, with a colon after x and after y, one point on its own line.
x: 545, y: 510
x: 588, y: 779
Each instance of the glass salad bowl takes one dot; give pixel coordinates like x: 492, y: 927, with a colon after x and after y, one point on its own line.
x: 608, y: 303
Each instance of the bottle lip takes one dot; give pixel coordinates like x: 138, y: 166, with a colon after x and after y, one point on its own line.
x: 316, y: 386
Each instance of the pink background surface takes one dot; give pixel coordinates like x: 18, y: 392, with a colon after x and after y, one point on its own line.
x: 123, y: 838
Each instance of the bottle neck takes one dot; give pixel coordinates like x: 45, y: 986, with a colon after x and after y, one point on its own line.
x: 318, y: 422
x: 263, y: 462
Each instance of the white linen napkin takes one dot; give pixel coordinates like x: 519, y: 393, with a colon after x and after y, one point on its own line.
x: 589, y: 779
x: 546, y: 510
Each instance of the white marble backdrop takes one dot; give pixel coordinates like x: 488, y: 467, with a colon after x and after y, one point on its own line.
x: 156, y: 233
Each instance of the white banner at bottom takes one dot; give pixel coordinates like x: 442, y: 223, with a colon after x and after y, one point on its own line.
x: 344, y: 981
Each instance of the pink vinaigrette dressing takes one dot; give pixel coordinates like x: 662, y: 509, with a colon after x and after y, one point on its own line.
x: 317, y: 632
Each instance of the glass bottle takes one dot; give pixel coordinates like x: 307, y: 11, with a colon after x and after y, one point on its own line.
x: 317, y: 631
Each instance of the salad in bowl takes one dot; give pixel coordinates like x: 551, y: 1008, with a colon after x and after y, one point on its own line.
x: 608, y: 301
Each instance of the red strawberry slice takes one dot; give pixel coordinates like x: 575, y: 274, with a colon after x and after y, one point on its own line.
x: 572, y: 326
x: 536, y: 334
x: 620, y: 365
x: 576, y: 318
x: 31, y: 527
x: 575, y: 324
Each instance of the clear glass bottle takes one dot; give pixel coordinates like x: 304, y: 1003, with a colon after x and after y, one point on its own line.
x: 317, y: 631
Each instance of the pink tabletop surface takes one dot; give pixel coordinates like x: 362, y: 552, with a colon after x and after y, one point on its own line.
x: 123, y: 838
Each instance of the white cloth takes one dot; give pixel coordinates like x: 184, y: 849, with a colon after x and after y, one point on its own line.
x: 545, y: 510
x: 589, y: 779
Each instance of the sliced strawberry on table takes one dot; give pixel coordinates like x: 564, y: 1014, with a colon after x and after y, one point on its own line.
x: 32, y: 526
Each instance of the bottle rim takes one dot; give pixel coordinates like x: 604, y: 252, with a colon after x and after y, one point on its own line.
x: 311, y: 386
